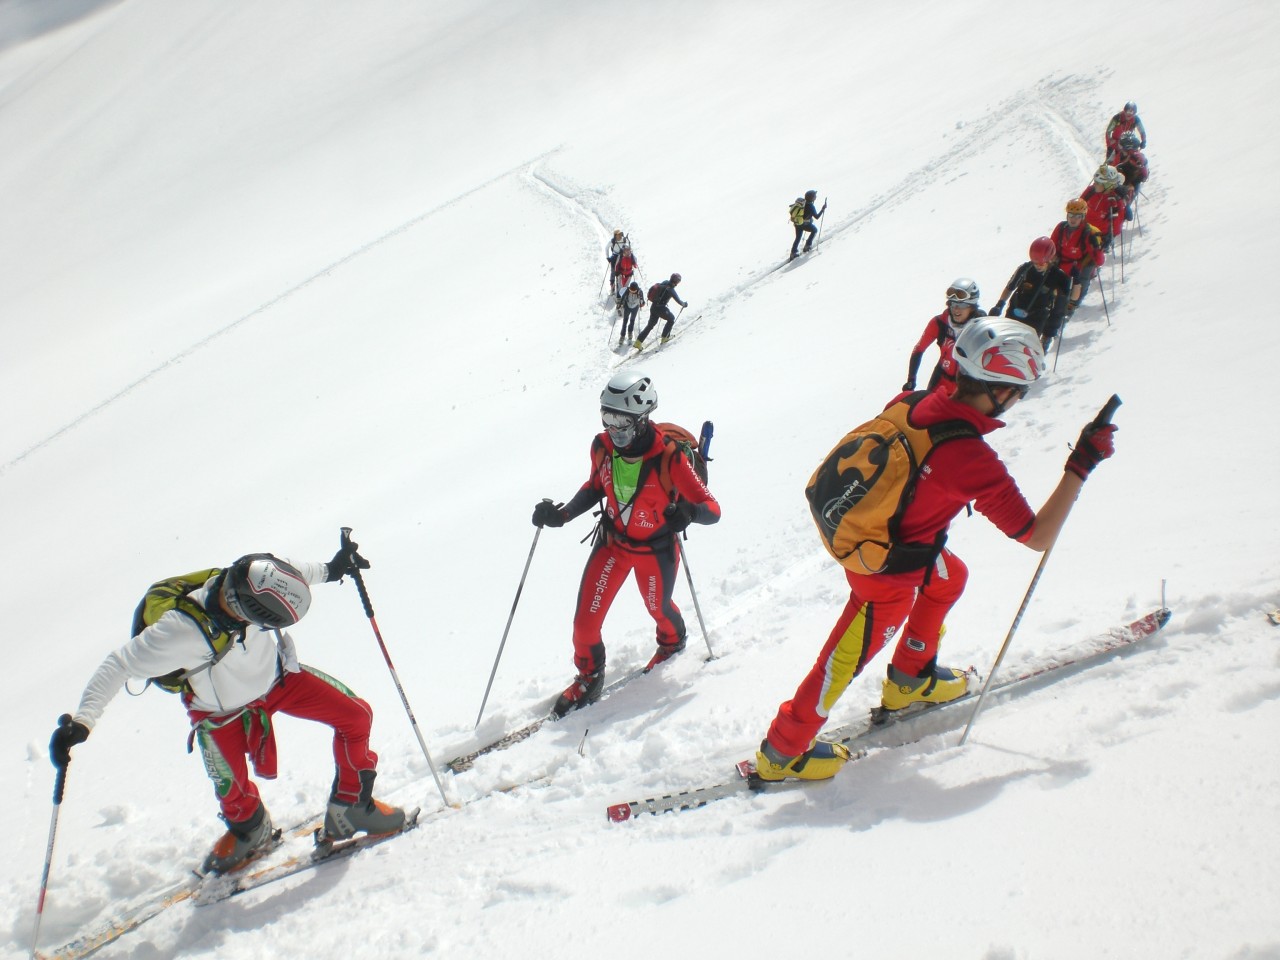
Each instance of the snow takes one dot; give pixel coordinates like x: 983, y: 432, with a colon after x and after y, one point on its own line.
x: 272, y: 269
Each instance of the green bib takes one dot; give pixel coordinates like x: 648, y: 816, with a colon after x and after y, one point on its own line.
x: 625, y: 477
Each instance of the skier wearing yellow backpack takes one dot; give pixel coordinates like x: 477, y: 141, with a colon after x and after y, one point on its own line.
x: 803, y: 213
x: 883, y: 500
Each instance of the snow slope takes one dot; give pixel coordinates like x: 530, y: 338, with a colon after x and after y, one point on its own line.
x: 275, y: 269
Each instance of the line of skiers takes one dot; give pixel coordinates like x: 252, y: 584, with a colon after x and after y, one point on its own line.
x: 629, y: 298
x: 1045, y: 290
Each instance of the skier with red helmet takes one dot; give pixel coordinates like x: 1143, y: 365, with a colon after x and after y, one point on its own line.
x: 1037, y: 292
x: 215, y: 638
x: 632, y: 463
x: 999, y: 360
x: 962, y: 307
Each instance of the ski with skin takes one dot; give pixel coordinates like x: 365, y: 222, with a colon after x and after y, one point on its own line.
x: 879, y: 728
x: 467, y: 760
x: 217, y: 889
x: 203, y: 889
x: 653, y: 347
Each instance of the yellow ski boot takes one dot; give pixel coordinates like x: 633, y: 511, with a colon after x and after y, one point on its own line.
x: 821, y: 761
x: 938, y: 685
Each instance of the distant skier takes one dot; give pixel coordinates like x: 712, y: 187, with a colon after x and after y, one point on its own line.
x: 1037, y: 292
x: 611, y: 254
x: 220, y: 646
x: 660, y: 294
x: 631, y: 461
x: 1079, y: 247
x: 623, y: 268
x: 1124, y: 121
x: 803, y: 213
x: 998, y: 361
x: 632, y: 301
x: 962, y: 306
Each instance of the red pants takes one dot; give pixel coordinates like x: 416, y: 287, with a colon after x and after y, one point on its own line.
x: 310, y: 695
x: 605, y: 573
x: 877, y: 608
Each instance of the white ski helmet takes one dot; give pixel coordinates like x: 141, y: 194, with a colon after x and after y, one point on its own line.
x: 261, y: 589
x: 630, y: 392
x: 963, y: 291
x: 1107, y: 177
x: 1000, y: 350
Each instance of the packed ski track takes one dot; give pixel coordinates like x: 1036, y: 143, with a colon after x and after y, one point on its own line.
x: 1047, y: 836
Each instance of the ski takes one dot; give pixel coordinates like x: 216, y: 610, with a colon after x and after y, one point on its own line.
x: 465, y: 761
x: 652, y: 347
x: 880, y: 728
x: 185, y: 889
x: 217, y: 889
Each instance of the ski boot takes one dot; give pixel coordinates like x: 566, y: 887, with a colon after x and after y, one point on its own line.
x: 665, y: 652
x: 663, y: 339
x: 639, y: 344
x: 585, y: 689
x: 935, y: 684
x: 244, y: 841
x: 344, y: 820
x: 821, y: 761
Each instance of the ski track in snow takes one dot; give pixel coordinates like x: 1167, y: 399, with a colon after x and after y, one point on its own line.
x: 261, y: 309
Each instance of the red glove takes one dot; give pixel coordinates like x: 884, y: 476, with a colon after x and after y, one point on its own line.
x: 1097, y: 442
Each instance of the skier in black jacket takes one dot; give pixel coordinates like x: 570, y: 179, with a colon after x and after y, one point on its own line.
x: 663, y: 293
x: 1038, y: 292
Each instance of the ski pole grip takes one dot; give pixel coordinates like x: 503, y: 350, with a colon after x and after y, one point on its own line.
x: 1108, y: 411
x: 357, y: 576
x: 60, y: 780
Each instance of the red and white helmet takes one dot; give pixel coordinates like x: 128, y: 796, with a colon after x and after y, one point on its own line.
x: 1000, y: 350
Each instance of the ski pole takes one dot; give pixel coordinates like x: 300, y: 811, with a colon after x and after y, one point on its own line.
x: 817, y: 239
x: 1057, y: 349
x: 697, y: 607
x: 1104, y: 416
x: 59, y: 784
x: 511, y: 616
x: 395, y: 677
x: 1102, y: 291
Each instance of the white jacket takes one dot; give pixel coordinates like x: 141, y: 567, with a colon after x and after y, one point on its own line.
x: 173, y: 642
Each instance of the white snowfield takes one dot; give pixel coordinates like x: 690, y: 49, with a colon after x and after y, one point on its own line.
x: 267, y: 270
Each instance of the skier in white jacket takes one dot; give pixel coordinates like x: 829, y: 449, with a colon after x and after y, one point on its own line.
x: 219, y: 644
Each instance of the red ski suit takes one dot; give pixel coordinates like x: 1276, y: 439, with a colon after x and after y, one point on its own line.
x: 634, y: 537
x: 1079, y: 250
x: 957, y: 472
x: 1106, y: 211
x: 225, y: 741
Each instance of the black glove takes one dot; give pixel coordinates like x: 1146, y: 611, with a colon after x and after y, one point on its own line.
x: 909, y: 385
x: 997, y: 309
x: 679, y: 515
x: 1096, y: 443
x: 68, y: 734
x: 345, y: 561
x: 548, y: 514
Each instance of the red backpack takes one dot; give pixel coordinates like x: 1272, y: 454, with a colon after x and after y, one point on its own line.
x: 653, y: 292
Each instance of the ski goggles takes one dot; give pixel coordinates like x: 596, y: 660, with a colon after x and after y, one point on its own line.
x: 622, y: 427
x: 956, y: 295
